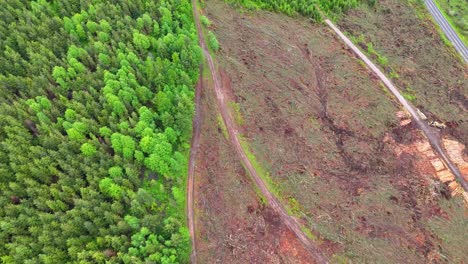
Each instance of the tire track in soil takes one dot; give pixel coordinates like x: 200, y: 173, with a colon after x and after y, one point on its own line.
x: 194, y: 149
x: 233, y: 133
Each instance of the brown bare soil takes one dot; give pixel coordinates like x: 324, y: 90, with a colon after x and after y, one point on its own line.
x: 317, y: 122
x: 232, y: 223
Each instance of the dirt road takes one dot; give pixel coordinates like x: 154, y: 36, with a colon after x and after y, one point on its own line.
x: 232, y: 130
x: 433, y: 139
x: 195, y: 146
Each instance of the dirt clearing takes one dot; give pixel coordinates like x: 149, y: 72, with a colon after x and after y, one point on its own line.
x: 316, y: 120
x: 233, y: 225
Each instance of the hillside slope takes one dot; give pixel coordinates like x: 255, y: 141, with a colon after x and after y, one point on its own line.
x: 330, y: 137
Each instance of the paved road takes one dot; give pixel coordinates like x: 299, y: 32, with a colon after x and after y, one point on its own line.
x: 447, y: 28
x: 233, y: 133
x: 435, y: 142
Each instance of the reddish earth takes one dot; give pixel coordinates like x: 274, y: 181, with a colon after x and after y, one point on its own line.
x: 290, y: 246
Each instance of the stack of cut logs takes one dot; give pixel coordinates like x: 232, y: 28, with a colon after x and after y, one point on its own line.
x: 455, y: 151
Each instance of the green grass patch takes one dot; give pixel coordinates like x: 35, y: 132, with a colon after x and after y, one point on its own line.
x: 222, y: 126
x: 362, y: 63
x: 409, y: 94
x: 205, y: 21
x: 385, y: 89
x: 393, y: 74
x: 308, y: 233
x: 213, y: 41
x: 370, y: 50
x: 456, y: 13
x: 294, y: 206
x: 235, y: 107
x: 339, y: 259
x: 262, y: 172
x: 382, y: 60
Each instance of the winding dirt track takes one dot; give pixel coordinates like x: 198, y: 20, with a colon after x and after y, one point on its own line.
x: 194, y: 147
x: 233, y: 133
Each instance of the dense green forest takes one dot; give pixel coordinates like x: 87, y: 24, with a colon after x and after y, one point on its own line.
x: 96, y: 104
x: 309, y: 8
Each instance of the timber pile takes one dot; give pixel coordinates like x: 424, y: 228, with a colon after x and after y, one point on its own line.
x: 456, y: 152
x: 454, y: 149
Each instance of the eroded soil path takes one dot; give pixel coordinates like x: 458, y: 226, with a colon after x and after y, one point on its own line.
x: 194, y: 149
x: 233, y: 133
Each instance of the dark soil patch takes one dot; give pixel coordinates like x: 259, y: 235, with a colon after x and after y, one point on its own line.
x: 405, y: 134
